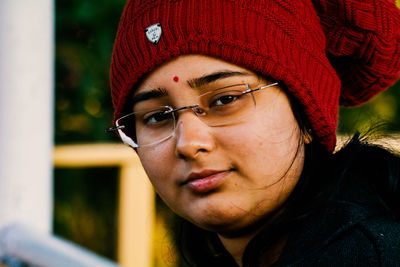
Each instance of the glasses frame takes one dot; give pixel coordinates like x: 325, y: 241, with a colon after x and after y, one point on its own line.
x: 129, y: 141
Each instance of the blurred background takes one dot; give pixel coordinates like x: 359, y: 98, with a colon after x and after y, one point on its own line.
x: 85, y: 202
x: 86, y: 199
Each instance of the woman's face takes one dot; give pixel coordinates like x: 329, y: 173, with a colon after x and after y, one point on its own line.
x: 225, y: 178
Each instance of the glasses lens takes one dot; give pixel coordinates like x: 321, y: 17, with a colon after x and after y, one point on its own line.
x: 226, y: 105
x: 149, y: 126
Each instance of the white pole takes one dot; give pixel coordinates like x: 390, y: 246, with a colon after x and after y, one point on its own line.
x: 26, y: 101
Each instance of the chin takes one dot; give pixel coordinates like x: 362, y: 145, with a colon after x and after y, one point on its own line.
x: 218, y: 225
x: 220, y: 219
x: 226, y: 218
x: 232, y: 228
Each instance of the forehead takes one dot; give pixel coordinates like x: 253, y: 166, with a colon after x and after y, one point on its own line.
x: 186, y: 67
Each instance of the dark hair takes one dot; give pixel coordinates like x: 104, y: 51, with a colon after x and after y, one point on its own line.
x: 324, y: 175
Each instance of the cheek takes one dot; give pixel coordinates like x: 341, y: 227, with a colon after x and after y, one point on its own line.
x: 157, y: 164
x: 275, y: 127
x: 268, y: 141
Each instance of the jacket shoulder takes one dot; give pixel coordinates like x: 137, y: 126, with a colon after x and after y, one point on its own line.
x: 371, y: 242
x: 384, y: 235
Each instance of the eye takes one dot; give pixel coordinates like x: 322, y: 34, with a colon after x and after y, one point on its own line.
x: 225, y: 99
x: 157, y: 117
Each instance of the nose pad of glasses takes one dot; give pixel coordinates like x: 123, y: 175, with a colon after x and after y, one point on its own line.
x: 198, y: 111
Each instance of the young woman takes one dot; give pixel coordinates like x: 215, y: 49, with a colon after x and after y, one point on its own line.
x: 232, y: 109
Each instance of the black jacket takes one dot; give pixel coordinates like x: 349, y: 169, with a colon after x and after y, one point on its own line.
x: 352, y: 230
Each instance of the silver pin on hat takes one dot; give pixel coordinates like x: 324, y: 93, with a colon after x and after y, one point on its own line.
x: 154, y: 32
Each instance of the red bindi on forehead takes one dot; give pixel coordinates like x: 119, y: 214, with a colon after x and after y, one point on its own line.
x: 176, y: 79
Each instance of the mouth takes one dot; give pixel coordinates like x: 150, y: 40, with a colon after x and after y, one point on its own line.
x: 206, y: 181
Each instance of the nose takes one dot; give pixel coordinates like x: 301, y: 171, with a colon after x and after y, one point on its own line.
x: 193, y: 137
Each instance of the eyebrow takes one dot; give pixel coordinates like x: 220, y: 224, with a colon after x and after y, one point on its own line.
x: 154, y: 93
x: 193, y: 83
x: 212, y: 77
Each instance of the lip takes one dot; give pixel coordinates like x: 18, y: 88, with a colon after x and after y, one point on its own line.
x: 206, y: 181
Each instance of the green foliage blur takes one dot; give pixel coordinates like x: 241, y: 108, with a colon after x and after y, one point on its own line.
x: 84, y: 38
x: 381, y: 112
x: 86, y: 199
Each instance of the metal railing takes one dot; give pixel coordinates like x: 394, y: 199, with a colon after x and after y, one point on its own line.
x: 21, y: 246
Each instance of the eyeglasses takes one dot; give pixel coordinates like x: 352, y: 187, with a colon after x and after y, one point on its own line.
x: 223, y: 106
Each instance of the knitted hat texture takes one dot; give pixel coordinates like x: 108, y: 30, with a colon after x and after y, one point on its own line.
x: 324, y: 51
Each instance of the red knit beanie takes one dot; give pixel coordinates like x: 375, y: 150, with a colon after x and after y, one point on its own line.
x: 324, y: 51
